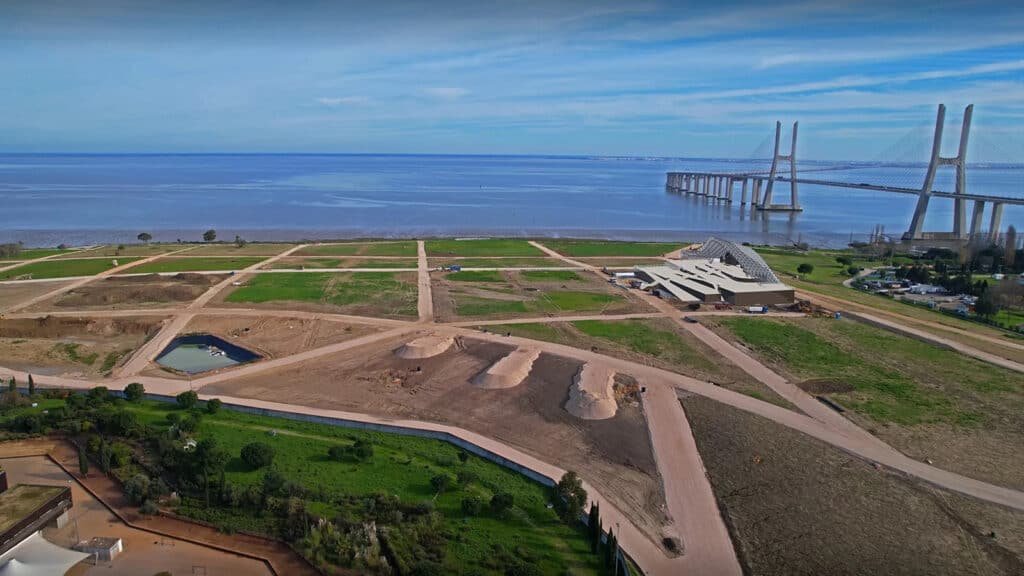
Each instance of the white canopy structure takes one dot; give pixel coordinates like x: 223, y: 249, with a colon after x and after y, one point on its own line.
x: 37, y: 556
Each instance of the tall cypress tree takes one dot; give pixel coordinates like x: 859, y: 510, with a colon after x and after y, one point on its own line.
x: 31, y: 386
x: 12, y: 385
x: 609, y: 549
x: 592, y: 527
x: 83, y: 461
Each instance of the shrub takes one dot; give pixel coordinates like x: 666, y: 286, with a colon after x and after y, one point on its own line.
x: 441, y: 482
x: 134, y: 392
x: 98, y: 395
x: 213, y: 405
x: 805, y: 268
x: 501, y: 502
x: 187, y: 399
x: 149, y: 508
x: 257, y: 455
x: 466, y: 477
x: 472, y: 505
x: 844, y: 260
x: 852, y: 270
x: 137, y: 489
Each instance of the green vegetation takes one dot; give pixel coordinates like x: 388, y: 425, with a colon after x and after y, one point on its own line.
x: 308, y: 263
x: 499, y: 262
x: 534, y: 330
x: 64, y: 268
x: 551, y: 302
x: 16, y: 253
x: 182, y: 264
x: 403, y: 248
x: 825, y: 266
x: 589, y: 248
x: 549, y: 275
x: 893, y: 378
x: 485, y: 247
x: 641, y: 336
x: 324, y: 485
x: 377, y: 292
x: 476, y: 276
x: 70, y: 350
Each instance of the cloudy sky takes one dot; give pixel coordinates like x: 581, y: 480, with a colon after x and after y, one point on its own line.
x: 638, y: 77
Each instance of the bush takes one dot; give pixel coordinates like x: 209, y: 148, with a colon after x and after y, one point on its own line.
x: 852, y: 270
x: 149, y: 508
x: 501, y: 502
x: 190, y: 423
x: 441, y: 482
x: 465, y: 477
x: 361, y: 450
x: 187, y: 399
x: 134, y: 392
x: 257, y: 455
x: 472, y: 505
x: 805, y: 268
x: 844, y: 260
x: 213, y: 405
x: 137, y: 489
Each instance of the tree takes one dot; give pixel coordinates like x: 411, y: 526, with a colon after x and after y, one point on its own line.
x: 501, y: 502
x: 83, y: 461
x: 257, y: 455
x: 441, y: 482
x: 145, y: 237
x: 472, y: 505
x: 187, y: 399
x: 844, y: 260
x: 137, y: 489
x: 213, y: 405
x: 210, y: 459
x: 611, y: 549
x: 134, y: 392
x: 1010, y: 251
x: 239, y: 241
x: 570, y: 497
x: 273, y: 482
x: 210, y: 235
x: 593, y: 527
x: 805, y: 268
x: 31, y: 386
x: 12, y: 386
x: 852, y: 270
x: 986, y: 306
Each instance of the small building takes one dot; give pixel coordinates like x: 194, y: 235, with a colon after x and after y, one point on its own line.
x: 103, y: 548
x: 27, y: 508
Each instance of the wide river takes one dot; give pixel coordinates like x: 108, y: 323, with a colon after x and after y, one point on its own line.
x: 88, y: 199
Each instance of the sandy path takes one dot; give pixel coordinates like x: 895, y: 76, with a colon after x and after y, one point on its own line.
x: 425, y: 301
x: 85, y: 280
x: 14, y: 265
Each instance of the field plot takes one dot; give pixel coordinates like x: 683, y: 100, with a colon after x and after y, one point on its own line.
x: 15, y: 292
x: 298, y: 263
x: 113, y: 250
x: 655, y: 342
x: 231, y: 249
x: 931, y: 403
x: 620, y: 262
x: 274, y: 337
x: 71, y: 346
x: 186, y: 264
x: 497, y: 262
x: 614, y: 453
x: 388, y: 294
x: 591, y: 248
x: 121, y: 292
x: 33, y: 253
x: 63, y: 268
x: 790, y: 498
x: 483, y: 247
x: 404, y: 248
x: 506, y: 294
x: 826, y: 269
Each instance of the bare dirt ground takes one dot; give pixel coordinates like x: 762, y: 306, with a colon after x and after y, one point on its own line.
x: 274, y: 337
x: 798, y: 506
x: 129, y: 292
x: 12, y: 293
x: 310, y: 262
x: 615, y: 453
x: 144, y: 553
x: 620, y: 262
x: 492, y: 299
x: 72, y: 346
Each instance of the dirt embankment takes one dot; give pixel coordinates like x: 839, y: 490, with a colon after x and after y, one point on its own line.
x: 274, y: 337
x: 798, y: 506
x: 614, y: 453
x: 137, y: 291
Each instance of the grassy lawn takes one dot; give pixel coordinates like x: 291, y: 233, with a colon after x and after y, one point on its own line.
x: 403, y: 248
x: 485, y: 247
x: 476, y: 276
x: 295, y: 263
x: 585, y: 248
x: 33, y: 253
x: 499, y: 262
x: 174, y: 264
x: 826, y: 269
x: 549, y: 275
x: 363, y: 292
x: 640, y: 336
x: 893, y: 378
x: 111, y: 250
x: 1010, y: 317
x: 64, y: 268
x: 402, y: 466
x: 231, y: 249
x: 553, y: 302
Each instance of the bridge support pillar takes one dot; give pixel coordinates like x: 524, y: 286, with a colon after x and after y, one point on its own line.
x: 916, y: 230
x: 976, y: 217
x: 996, y: 222
x: 743, y: 192
x: 756, y: 200
x: 794, y: 199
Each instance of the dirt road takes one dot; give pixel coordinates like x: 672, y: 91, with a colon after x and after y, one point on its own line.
x: 425, y: 301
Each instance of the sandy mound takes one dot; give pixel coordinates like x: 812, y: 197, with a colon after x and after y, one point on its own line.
x: 424, y: 347
x: 591, y: 396
x: 509, y: 371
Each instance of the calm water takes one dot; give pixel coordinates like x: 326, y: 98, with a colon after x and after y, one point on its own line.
x: 78, y: 199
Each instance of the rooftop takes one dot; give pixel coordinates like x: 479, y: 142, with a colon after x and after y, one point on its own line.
x: 21, y: 501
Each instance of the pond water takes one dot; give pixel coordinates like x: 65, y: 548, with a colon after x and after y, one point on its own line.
x: 195, y: 353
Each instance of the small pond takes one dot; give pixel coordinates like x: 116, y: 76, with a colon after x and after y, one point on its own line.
x: 195, y: 353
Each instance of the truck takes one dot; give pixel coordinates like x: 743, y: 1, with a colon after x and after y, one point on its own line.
x: 757, y: 309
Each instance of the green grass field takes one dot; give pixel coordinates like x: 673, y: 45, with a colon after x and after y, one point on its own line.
x: 549, y: 276
x: 499, y: 262
x: 589, y: 248
x: 64, y: 268
x: 231, y: 249
x: 484, y: 247
x: 307, y: 263
x: 33, y: 253
x: 552, y: 302
x: 402, y: 466
x: 363, y: 292
x: 894, y: 378
x: 640, y: 336
x: 826, y: 269
x: 112, y: 250
x: 174, y: 264
x: 403, y: 248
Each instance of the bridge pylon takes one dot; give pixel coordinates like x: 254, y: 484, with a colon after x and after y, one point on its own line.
x: 959, y: 163
x: 794, y: 199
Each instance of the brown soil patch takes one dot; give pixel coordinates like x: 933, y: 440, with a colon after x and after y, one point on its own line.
x: 274, y: 337
x: 824, y: 386
x: 121, y: 292
x: 615, y: 453
x: 795, y: 505
x: 13, y: 293
x: 71, y: 346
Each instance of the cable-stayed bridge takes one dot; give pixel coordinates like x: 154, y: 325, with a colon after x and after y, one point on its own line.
x: 770, y: 181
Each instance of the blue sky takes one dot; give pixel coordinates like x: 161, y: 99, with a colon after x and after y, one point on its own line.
x: 552, y: 77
